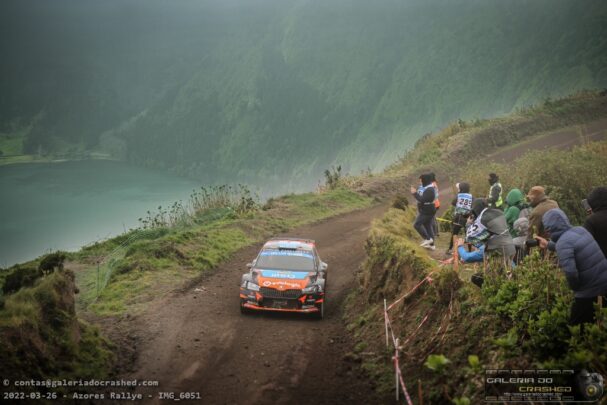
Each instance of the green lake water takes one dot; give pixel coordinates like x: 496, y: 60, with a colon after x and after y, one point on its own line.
x: 50, y: 206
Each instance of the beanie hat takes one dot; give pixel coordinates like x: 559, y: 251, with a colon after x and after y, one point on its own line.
x: 426, y: 179
x: 478, y: 205
x: 597, y: 199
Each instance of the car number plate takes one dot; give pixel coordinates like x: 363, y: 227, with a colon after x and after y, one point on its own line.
x: 279, y: 304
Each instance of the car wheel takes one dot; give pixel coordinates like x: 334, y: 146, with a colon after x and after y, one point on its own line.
x: 244, y: 310
x: 321, y: 311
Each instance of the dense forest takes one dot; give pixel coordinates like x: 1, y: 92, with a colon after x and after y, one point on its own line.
x: 274, y: 92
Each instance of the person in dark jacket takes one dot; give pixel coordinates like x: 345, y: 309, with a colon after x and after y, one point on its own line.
x: 596, y: 223
x: 581, y: 260
x: 462, y: 203
x: 494, y: 198
x: 425, y: 195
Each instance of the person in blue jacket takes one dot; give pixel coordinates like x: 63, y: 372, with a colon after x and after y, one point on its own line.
x: 582, y: 261
x: 470, y: 257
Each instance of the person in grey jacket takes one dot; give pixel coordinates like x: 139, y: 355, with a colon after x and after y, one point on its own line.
x: 581, y: 260
x: 488, y: 225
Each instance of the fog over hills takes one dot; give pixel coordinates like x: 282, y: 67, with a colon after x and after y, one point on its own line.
x: 272, y: 92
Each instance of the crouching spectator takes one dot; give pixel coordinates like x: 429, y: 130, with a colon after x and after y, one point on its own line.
x: 596, y: 223
x: 488, y: 226
x: 521, y: 228
x: 581, y: 260
x: 475, y: 256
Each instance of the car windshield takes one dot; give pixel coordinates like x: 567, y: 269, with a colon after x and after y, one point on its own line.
x: 282, y: 259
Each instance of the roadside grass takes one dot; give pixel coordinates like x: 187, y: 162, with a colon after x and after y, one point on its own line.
x: 147, y: 265
x: 43, y: 338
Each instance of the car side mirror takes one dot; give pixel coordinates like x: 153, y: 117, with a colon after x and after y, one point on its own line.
x: 323, y: 266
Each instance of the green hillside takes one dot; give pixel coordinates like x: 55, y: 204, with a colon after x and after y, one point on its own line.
x: 269, y: 91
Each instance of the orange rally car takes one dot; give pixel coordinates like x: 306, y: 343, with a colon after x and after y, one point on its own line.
x: 287, y: 276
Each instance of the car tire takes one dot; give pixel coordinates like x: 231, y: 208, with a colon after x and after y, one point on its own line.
x: 244, y: 310
x: 321, y: 313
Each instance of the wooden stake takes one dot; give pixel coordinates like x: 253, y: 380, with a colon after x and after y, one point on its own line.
x: 420, y: 393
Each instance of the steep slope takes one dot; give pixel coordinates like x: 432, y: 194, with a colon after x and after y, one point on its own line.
x: 259, y: 92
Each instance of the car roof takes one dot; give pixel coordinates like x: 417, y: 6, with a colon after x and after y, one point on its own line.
x: 290, y: 243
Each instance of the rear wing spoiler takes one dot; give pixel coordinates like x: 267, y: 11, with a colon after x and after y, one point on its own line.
x: 303, y: 240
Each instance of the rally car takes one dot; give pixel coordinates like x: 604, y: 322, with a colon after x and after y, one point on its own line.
x: 287, y: 276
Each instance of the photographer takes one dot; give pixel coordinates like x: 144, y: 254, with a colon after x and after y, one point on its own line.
x: 581, y: 260
x: 596, y: 223
x: 488, y: 226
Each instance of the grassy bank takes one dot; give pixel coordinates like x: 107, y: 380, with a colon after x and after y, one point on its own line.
x: 452, y: 330
x: 42, y: 336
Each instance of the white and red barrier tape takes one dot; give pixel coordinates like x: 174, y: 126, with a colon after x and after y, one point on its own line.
x: 399, y: 380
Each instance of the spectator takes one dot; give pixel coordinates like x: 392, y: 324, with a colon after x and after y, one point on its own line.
x: 435, y: 228
x: 521, y: 227
x: 489, y: 227
x: 494, y: 199
x: 462, y: 203
x: 581, y: 260
x: 516, y: 205
x: 596, y: 223
x: 425, y: 195
x: 470, y: 257
x: 540, y: 204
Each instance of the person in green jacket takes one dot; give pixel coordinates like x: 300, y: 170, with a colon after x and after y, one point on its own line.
x: 516, y: 202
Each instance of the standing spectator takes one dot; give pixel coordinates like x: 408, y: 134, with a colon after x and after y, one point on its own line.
x: 425, y: 195
x: 436, y: 203
x: 581, y: 260
x: 462, y: 203
x: 494, y: 199
x: 516, y: 203
x: 540, y: 204
x: 596, y: 223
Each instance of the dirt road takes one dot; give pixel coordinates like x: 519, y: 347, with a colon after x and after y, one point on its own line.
x: 196, y: 340
x: 199, y: 342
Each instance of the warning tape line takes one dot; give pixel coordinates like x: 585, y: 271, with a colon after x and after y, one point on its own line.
x: 427, y: 278
x: 401, y: 380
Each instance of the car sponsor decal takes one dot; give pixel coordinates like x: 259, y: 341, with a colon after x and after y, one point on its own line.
x: 287, y: 253
x: 291, y: 275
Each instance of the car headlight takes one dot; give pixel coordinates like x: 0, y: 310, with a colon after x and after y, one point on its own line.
x: 250, y: 286
x: 312, y: 289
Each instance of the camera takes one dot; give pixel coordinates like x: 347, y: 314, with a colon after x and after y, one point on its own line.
x: 590, y: 385
x: 531, y: 243
x: 586, y: 206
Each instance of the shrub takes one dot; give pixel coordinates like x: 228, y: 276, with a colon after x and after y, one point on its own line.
x: 333, y: 177
x: 52, y: 262
x: 20, y: 277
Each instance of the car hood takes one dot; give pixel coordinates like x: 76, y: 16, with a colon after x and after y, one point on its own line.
x: 283, y: 279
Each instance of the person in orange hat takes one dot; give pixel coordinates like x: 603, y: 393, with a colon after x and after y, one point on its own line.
x: 540, y: 204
